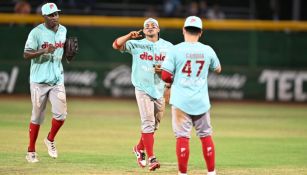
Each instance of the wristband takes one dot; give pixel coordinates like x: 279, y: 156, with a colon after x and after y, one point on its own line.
x: 116, y: 45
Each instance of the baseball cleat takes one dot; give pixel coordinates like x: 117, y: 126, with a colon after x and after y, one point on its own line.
x: 140, y: 156
x: 153, y: 164
x: 51, y: 148
x: 211, y: 173
x: 32, y: 157
x: 182, y: 173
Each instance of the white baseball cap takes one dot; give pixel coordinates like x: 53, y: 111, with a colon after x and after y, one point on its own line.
x: 193, y: 21
x: 49, y: 8
x: 151, y: 20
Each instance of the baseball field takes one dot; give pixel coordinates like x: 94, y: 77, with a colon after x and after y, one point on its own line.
x: 97, y: 138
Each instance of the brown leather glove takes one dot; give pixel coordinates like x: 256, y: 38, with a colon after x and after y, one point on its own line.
x: 71, y: 48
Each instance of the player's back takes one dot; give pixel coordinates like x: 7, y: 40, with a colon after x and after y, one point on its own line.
x: 192, y: 62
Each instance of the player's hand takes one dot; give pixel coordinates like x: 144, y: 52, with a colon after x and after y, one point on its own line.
x: 158, y: 69
x: 50, y: 49
x: 135, y: 34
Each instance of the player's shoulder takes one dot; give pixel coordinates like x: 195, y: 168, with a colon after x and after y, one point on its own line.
x: 62, y: 28
x: 179, y: 45
x: 37, y: 29
x: 163, y: 41
x: 174, y: 49
x: 136, y: 41
x: 205, y: 45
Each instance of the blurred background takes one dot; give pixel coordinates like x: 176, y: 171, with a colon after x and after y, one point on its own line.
x: 261, y: 44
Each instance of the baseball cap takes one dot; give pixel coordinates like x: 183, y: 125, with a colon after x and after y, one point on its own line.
x: 49, y: 8
x: 193, y: 21
x: 151, y: 20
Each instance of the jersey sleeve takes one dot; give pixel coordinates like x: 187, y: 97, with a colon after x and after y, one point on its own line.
x: 169, y: 62
x: 214, y: 61
x: 128, y: 47
x: 32, y: 42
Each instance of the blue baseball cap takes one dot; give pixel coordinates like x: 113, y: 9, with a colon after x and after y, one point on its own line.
x: 193, y: 21
x: 49, y: 8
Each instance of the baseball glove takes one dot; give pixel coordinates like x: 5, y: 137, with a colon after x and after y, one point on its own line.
x: 70, y: 48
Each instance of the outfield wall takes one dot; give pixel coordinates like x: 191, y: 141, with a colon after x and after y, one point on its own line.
x: 114, y: 80
x: 258, y: 63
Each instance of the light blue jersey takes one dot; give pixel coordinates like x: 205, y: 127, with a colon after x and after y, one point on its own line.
x: 145, y: 55
x: 47, y: 68
x: 190, y: 64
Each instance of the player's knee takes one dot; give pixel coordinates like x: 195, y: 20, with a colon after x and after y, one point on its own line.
x: 60, y: 116
x: 37, y: 120
x: 181, y: 134
x: 182, y: 130
x: 204, y: 133
x: 148, y: 128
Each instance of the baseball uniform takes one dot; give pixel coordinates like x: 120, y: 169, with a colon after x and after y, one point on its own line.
x: 46, y: 72
x: 148, y: 86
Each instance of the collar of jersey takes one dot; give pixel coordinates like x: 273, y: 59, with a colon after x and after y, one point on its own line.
x: 146, y: 40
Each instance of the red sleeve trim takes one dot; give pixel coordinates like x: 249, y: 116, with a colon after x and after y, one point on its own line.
x: 167, y: 77
x: 116, y: 44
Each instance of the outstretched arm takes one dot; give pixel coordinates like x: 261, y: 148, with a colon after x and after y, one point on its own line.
x: 119, y: 43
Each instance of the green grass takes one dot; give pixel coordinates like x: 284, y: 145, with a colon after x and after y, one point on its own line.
x: 98, y: 135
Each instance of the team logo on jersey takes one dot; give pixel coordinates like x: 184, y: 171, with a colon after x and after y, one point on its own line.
x: 56, y: 45
x: 146, y: 56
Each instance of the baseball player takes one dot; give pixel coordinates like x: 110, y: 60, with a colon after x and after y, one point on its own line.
x: 44, y: 47
x: 147, y: 57
x: 186, y: 66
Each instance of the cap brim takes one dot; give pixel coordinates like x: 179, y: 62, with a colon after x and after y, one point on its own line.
x: 52, y: 12
x: 193, y: 26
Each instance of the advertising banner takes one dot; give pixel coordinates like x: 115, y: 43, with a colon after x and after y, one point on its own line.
x: 115, y: 81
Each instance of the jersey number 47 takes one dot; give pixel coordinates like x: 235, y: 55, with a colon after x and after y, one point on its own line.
x: 187, y: 68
